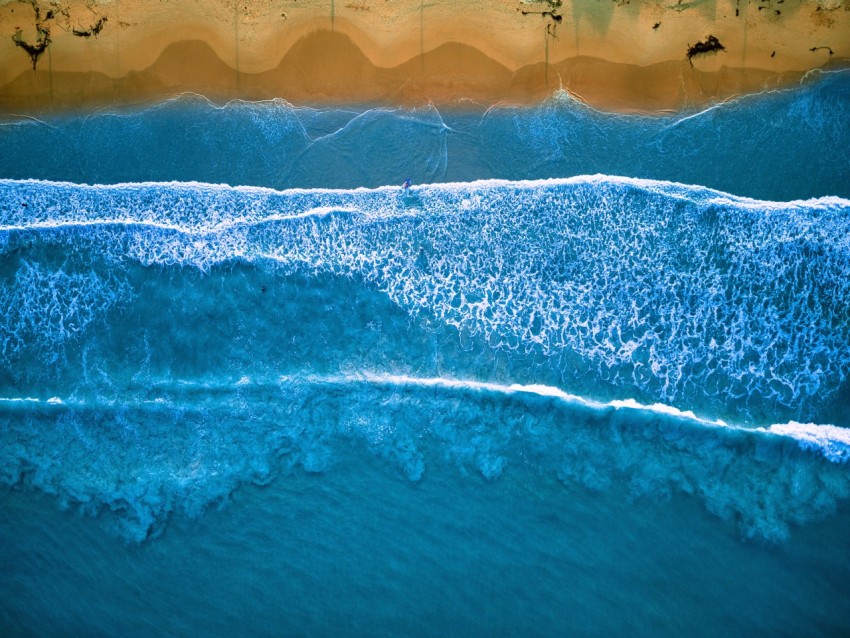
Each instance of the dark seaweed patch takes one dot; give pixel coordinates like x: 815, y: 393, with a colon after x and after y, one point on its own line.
x: 42, y: 39
x: 33, y: 50
x: 42, y: 29
x: 96, y: 28
x: 557, y: 17
x: 552, y: 13
x: 711, y: 44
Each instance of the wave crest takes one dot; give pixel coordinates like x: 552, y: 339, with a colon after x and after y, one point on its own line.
x: 190, y: 444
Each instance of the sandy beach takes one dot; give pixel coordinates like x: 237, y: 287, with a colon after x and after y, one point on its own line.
x: 645, y: 56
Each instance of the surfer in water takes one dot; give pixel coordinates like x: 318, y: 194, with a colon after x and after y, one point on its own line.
x: 406, y: 184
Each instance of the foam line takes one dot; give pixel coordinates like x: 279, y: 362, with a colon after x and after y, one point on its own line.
x: 191, y: 442
x: 830, y: 441
x: 513, y: 389
x: 318, y: 212
x: 693, y: 192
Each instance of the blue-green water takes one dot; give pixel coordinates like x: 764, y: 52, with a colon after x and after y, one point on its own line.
x: 315, y: 404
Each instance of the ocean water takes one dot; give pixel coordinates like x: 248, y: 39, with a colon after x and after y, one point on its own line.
x: 589, y: 376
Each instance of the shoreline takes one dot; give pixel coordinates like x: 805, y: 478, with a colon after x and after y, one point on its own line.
x: 615, y: 57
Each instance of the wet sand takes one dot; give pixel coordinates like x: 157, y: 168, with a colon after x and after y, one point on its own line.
x: 623, y: 56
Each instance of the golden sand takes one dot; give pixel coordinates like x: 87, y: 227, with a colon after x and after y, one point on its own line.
x: 627, y: 56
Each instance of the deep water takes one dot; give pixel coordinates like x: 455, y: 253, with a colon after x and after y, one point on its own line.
x: 589, y: 376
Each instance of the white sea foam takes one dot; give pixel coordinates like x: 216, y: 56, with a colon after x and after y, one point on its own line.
x: 830, y: 441
x: 46, y: 307
x: 190, y: 442
x: 674, y: 289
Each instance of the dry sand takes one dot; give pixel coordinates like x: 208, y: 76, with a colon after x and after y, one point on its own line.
x: 626, y: 56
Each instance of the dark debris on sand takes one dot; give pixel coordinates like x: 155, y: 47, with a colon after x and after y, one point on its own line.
x: 59, y: 13
x: 711, y: 44
x: 42, y: 41
x: 553, y: 13
x: 96, y: 28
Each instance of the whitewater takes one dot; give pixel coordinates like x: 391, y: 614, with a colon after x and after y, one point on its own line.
x: 589, y: 375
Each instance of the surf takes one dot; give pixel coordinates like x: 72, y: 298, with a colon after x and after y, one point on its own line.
x: 196, y: 441
x: 672, y: 293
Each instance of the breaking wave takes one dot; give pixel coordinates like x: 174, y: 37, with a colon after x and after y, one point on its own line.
x: 669, y: 293
x: 188, y: 445
x: 196, y: 337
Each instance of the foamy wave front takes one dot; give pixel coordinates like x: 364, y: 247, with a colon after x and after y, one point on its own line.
x: 677, y: 291
x: 832, y: 442
x: 190, y: 443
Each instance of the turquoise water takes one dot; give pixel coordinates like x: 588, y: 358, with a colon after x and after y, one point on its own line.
x: 589, y: 376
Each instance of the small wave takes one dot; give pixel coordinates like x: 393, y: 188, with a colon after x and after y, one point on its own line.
x: 190, y: 443
x: 832, y: 442
x: 788, y: 142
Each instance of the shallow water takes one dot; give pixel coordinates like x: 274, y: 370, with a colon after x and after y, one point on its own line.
x: 585, y: 405
x: 778, y: 145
